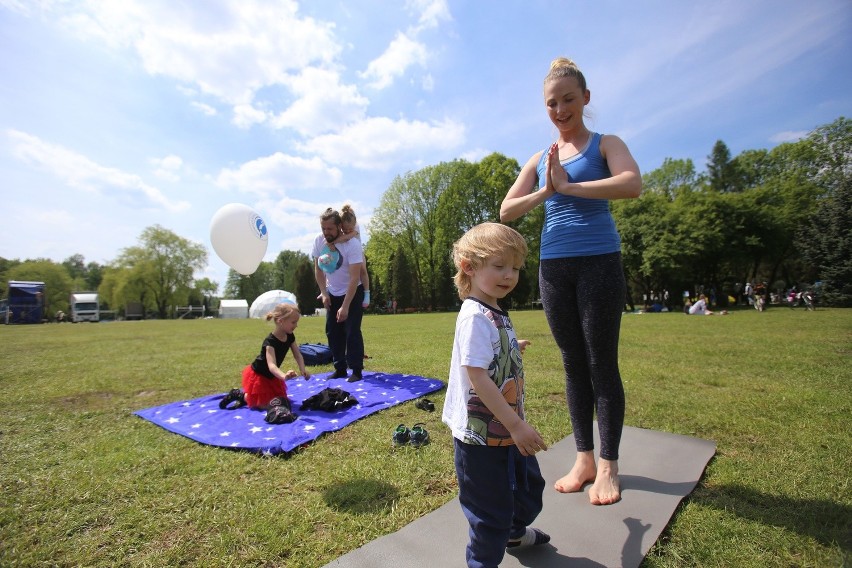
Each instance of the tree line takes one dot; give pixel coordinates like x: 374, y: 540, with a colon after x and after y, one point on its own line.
x: 779, y: 216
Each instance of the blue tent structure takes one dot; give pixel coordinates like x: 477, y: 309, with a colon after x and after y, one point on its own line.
x: 25, y: 302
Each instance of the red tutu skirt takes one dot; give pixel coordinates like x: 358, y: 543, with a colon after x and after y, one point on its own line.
x: 259, y: 390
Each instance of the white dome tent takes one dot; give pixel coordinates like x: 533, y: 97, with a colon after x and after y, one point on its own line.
x: 265, y: 303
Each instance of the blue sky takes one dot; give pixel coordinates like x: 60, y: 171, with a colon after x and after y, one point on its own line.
x: 116, y: 116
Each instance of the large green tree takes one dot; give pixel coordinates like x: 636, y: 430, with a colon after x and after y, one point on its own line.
x: 85, y: 276
x: 826, y: 245
x: 163, y: 264
x: 284, y: 269
x: 305, y: 287
x: 422, y: 213
x: 720, y: 170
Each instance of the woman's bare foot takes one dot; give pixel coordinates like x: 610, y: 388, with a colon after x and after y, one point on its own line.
x: 583, y: 472
x: 606, y: 489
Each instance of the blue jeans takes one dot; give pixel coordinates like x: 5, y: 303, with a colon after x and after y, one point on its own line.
x: 500, y: 492
x: 344, y: 338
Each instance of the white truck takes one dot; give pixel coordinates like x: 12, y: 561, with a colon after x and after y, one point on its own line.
x: 84, y: 306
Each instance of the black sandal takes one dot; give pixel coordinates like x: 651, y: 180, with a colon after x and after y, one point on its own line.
x: 234, y: 395
x: 425, y: 404
x: 281, y: 401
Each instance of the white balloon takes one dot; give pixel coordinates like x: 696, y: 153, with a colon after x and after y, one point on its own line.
x: 267, y: 301
x: 239, y: 237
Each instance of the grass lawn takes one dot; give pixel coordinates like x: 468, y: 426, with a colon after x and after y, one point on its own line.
x: 86, y: 483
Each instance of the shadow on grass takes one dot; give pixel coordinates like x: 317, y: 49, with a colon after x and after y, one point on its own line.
x: 360, y: 496
x: 825, y: 521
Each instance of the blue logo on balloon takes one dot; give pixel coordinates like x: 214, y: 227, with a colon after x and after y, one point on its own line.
x: 259, y: 227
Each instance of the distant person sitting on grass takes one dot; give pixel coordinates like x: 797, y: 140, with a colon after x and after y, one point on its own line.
x: 500, y: 483
x: 699, y: 308
x: 263, y: 380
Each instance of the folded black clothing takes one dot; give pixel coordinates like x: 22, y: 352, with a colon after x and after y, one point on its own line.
x: 279, y: 415
x: 329, y: 399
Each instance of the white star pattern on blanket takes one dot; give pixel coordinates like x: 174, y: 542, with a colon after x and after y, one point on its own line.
x: 202, y: 420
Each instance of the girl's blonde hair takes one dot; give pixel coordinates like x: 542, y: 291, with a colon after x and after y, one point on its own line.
x: 564, y: 67
x: 347, y: 214
x: 484, y: 241
x: 283, y: 310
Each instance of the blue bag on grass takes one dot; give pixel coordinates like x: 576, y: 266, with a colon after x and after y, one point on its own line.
x: 315, y: 353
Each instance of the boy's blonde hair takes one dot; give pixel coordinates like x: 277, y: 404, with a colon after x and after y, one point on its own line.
x: 282, y: 310
x: 482, y: 242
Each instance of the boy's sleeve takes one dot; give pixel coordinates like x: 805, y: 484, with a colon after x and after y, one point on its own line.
x: 475, y: 344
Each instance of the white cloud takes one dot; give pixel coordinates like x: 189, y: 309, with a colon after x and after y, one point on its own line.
x: 167, y: 168
x: 25, y: 7
x: 399, y: 56
x: 405, y: 50
x: 246, y: 115
x: 80, y: 172
x: 324, y: 104
x: 377, y: 143
x: 432, y: 12
x: 475, y: 155
x: 229, y: 49
x: 788, y: 136
x: 279, y: 173
x: 204, y: 108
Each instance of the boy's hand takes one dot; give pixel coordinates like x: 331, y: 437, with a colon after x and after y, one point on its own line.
x: 528, y: 440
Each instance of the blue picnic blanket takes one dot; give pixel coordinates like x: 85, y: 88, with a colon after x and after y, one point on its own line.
x: 202, y: 420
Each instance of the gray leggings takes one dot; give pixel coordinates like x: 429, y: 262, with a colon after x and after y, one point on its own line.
x: 583, y: 298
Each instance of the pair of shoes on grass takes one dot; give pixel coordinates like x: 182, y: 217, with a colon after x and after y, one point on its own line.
x: 234, y: 396
x: 416, y: 437
x: 425, y: 404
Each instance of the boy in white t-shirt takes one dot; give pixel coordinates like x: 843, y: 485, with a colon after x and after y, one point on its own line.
x: 500, y: 483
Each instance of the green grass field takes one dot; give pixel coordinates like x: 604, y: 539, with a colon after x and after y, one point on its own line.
x: 86, y: 483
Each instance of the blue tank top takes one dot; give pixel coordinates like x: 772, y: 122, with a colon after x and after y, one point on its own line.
x: 576, y: 226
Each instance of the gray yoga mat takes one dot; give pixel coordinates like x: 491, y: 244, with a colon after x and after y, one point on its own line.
x: 657, y: 471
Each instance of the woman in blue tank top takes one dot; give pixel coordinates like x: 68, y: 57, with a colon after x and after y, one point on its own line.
x: 580, y: 275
